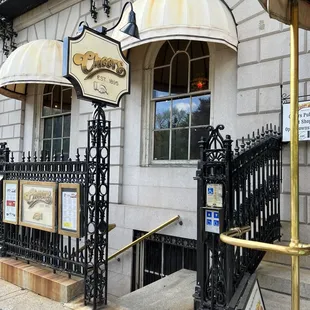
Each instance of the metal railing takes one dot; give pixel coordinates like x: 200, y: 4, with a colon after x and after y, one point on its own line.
x: 125, y: 248
x: 249, y: 176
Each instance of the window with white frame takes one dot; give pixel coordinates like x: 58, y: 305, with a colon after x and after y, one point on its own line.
x: 56, y: 120
x: 181, y: 99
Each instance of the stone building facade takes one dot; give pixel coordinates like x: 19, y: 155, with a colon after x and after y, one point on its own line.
x: 244, y: 87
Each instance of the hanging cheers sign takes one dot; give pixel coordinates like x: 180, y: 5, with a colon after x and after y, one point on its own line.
x: 96, y: 67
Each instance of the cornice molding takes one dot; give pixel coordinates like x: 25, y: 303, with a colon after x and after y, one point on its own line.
x: 42, y: 12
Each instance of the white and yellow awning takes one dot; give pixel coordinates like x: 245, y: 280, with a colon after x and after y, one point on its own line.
x: 201, y: 20
x: 37, y: 62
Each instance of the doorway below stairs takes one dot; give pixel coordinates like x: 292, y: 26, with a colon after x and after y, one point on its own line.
x: 159, y: 256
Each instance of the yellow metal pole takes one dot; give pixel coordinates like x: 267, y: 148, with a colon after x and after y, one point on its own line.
x: 294, y: 152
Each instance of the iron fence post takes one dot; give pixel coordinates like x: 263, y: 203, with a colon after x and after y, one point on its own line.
x: 96, y: 215
x: 4, y: 157
x: 200, y: 289
x: 229, y: 208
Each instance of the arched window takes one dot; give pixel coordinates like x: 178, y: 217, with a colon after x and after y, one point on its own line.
x: 181, y: 99
x: 56, y: 117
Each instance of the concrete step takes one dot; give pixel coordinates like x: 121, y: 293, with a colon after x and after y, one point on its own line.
x: 277, y: 301
x: 286, y: 259
x: 277, y: 278
x: 170, y: 293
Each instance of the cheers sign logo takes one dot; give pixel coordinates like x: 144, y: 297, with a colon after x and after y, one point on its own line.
x: 92, y: 64
x: 34, y: 196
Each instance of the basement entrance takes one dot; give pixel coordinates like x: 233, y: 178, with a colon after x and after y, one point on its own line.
x: 159, y: 256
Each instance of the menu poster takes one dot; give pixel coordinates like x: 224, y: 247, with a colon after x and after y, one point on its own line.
x: 10, y: 202
x: 69, y: 210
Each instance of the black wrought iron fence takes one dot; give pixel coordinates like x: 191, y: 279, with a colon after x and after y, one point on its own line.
x: 50, y: 249
x: 85, y: 255
x: 249, y: 176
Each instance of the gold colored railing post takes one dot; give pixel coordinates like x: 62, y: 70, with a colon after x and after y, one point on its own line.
x: 294, y: 152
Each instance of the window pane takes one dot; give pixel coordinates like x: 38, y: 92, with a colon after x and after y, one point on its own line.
x: 164, y: 55
x: 200, y: 74
x: 57, y: 148
x: 47, y: 147
x: 201, y: 110
x: 196, y: 134
x: 179, y: 45
x: 66, y: 100
x: 161, y: 145
x: 179, y: 74
x: 57, y: 130
x: 66, y: 144
x: 57, y: 100
x: 179, y: 144
x: 161, y: 82
x: 198, y: 49
x: 47, y: 128
x: 67, y: 122
x: 162, y: 114
x: 47, y: 105
x: 180, y: 112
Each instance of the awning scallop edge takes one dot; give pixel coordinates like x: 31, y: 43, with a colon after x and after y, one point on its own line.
x: 37, y: 62
x: 202, y: 20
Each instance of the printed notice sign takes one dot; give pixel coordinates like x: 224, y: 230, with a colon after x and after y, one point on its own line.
x: 304, y: 121
x: 69, y: 210
x: 214, y: 195
x: 10, y: 211
x: 255, y: 301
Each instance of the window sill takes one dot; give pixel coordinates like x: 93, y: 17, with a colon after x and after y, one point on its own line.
x: 172, y: 163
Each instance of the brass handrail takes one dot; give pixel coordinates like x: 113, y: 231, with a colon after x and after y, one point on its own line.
x: 229, y: 237
x: 125, y: 248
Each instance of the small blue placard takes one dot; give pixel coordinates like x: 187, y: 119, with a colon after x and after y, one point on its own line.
x: 210, y: 190
x: 212, y: 223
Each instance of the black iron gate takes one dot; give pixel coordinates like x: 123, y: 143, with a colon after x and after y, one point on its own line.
x: 85, y: 256
x: 250, y: 178
x: 159, y: 256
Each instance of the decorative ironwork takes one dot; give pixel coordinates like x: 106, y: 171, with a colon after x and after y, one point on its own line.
x: 85, y: 256
x: 97, y: 211
x: 7, y: 35
x: 93, y: 9
x: 106, y: 7
x: 250, y: 175
x: 159, y: 256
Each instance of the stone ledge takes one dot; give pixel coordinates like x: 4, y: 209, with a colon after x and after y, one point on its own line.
x: 39, y: 280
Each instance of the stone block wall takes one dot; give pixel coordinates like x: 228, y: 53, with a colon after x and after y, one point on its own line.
x: 264, y: 65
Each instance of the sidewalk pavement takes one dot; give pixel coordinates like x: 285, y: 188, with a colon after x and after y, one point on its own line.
x: 13, y: 297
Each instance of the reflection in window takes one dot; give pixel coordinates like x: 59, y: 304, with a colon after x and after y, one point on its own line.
x: 181, y: 76
x: 56, y: 121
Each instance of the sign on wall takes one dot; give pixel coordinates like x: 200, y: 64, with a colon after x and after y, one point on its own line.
x: 304, y: 121
x: 214, y: 195
x: 96, y: 67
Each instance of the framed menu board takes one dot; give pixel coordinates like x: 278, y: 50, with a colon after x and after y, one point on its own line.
x: 69, y: 209
x: 38, y: 205
x: 10, y: 201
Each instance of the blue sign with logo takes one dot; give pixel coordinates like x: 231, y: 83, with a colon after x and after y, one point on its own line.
x: 212, y: 221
